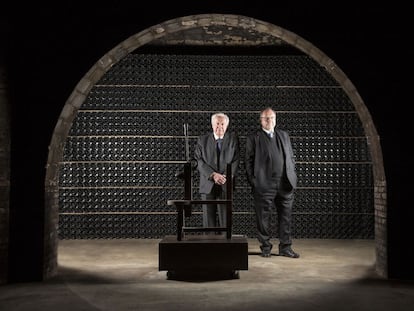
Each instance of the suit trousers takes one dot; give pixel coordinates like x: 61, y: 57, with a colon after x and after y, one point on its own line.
x: 210, y: 211
x: 279, y: 195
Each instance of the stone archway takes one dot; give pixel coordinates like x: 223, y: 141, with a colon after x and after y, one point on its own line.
x: 197, y: 30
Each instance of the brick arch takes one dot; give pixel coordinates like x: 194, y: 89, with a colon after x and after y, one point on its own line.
x: 184, y: 25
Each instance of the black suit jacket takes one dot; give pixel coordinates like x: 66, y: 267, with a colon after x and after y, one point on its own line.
x: 206, y: 155
x: 258, y: 160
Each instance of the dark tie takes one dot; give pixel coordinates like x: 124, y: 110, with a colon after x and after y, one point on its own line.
x: 219, y: 144
x: 270, y: 134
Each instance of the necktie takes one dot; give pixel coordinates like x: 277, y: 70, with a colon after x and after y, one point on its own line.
x: 218, y: 146
x: 270, y: 134
x: 219, y: 143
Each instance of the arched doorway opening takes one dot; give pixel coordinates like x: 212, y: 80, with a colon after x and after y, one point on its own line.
x: 208, y: 30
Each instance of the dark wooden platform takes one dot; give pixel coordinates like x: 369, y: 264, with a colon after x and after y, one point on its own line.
x: 203, y: 255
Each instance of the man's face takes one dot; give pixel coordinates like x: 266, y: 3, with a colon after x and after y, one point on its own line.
x: 268, y: 120
x: 219, y: 125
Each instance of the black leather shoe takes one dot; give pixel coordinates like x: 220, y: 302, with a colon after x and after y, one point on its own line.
x: 288, y: 252
x: 266, y: 253
x: 266, y: 250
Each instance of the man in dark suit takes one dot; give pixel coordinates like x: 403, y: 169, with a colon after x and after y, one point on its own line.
x: 213, y: 152
x: 270, y: 169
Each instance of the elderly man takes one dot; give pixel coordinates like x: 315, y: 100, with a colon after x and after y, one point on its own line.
x: 270, y: 169
x: 213, y: 152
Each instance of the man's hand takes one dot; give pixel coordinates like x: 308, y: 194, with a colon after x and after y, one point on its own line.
x: 219, y: 179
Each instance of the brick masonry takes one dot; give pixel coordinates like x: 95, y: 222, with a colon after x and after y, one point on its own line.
x: 4, y: 177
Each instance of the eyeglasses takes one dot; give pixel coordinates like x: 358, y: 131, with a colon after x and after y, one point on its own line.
x: 267, y: 118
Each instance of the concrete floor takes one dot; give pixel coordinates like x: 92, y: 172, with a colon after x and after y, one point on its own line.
x: 120, y: 275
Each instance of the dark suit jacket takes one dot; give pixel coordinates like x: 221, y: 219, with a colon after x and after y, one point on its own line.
x: 258, y: 161
x: 206, y: 155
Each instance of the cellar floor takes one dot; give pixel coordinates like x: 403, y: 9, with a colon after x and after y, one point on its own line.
x: 123, y: 275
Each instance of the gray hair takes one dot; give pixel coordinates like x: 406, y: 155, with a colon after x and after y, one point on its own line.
x: 220, y: 115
